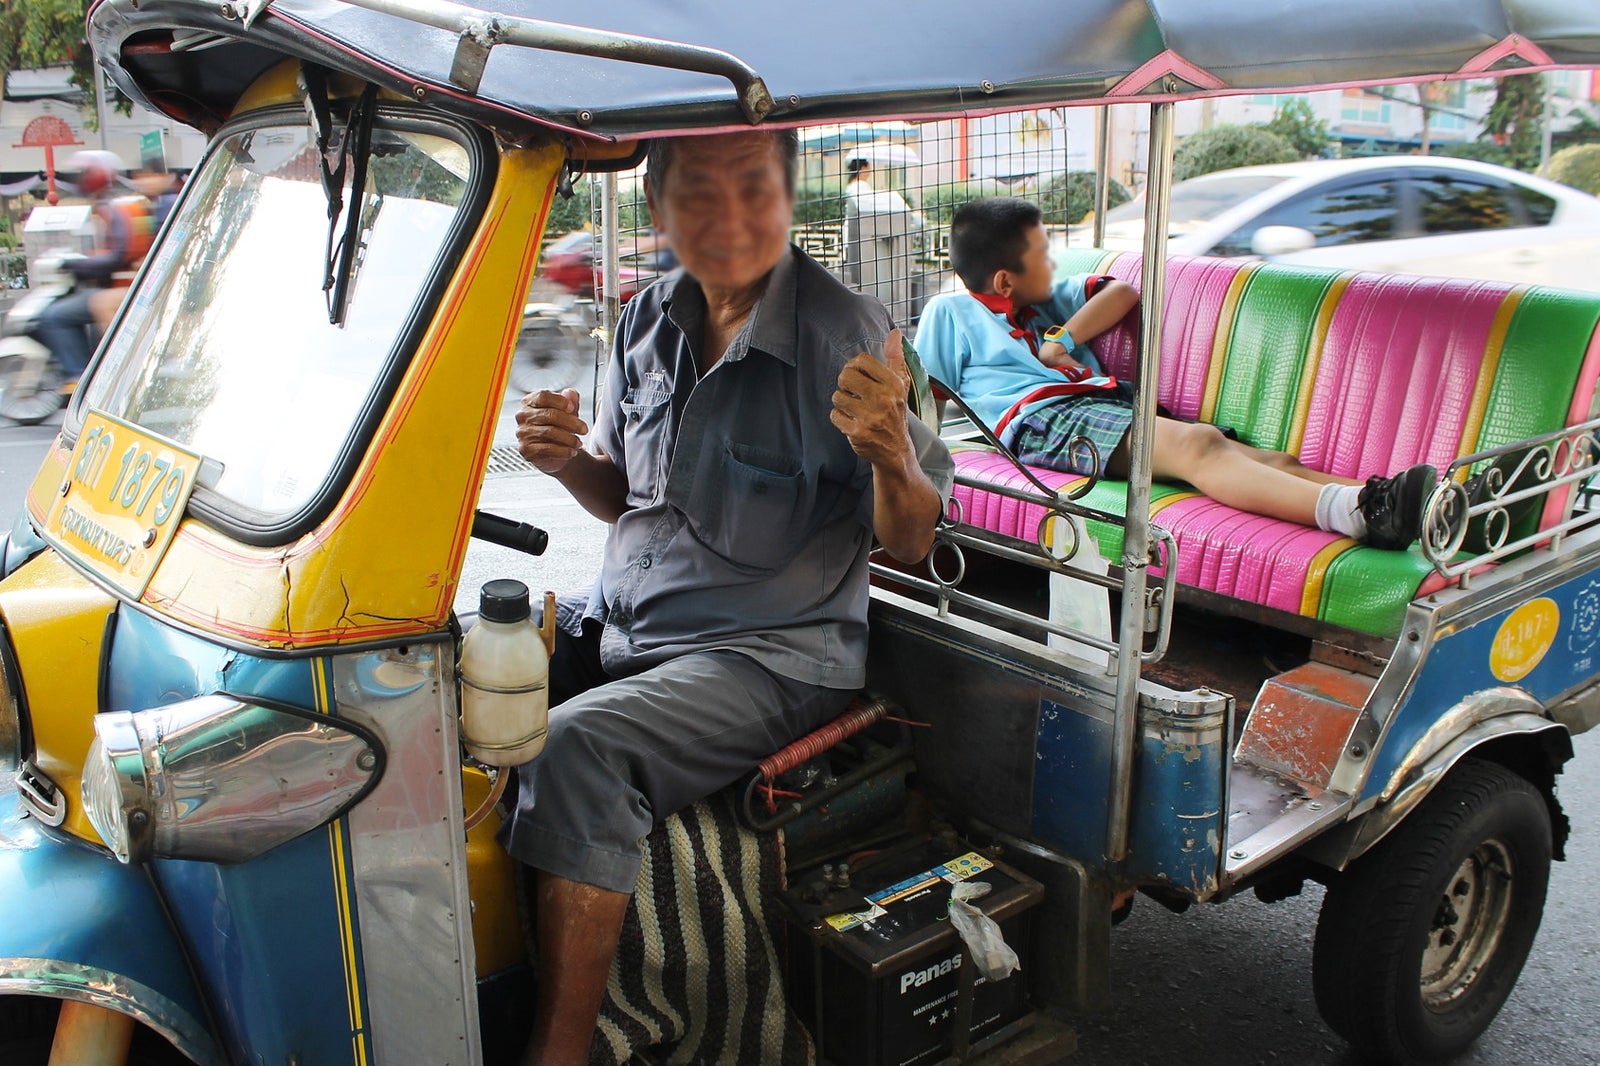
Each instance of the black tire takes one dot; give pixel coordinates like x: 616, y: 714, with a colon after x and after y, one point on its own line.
x: 1421, y: 940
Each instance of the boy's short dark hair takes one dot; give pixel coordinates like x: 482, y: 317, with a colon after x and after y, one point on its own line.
x: 990, y: 235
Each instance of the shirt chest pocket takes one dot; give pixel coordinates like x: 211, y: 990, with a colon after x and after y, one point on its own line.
x: 758, y: 518
x: 646, y: 417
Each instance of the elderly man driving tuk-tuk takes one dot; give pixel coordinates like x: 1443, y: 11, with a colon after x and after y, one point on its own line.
x: 747, y: 448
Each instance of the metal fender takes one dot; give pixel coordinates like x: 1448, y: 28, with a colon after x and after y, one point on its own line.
x: 82, y: 926
x: 1489, y: 715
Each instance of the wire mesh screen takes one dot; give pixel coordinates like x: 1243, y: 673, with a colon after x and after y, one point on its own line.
x: 873, y: 203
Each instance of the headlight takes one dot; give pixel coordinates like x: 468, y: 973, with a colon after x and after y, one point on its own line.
x: 218, y: 779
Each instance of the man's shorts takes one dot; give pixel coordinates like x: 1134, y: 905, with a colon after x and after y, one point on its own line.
x: 624, y: 754
x: 1103, y: 417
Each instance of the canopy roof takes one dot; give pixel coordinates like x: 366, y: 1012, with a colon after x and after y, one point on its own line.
x: 828, y: 60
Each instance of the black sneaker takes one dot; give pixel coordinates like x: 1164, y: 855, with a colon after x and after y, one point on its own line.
x: 1392, y: 506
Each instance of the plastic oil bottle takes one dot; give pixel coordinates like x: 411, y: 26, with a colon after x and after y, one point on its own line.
x: 505, y: 672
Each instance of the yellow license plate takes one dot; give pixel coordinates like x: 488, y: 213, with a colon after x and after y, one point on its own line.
x: 121, y: 502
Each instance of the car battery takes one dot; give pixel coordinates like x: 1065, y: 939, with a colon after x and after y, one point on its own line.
x: 880, y: 981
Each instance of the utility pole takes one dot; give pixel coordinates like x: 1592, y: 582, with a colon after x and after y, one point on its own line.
x: 100, y: 102
x: 1547, y: 122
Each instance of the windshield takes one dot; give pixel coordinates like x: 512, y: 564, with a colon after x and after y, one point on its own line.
x: 227, y: 347
x: 1201, y: 199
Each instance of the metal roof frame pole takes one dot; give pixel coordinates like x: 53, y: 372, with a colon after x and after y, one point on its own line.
x: 1141, y: 447
x: 1102, y: 171
x: 610, y: 259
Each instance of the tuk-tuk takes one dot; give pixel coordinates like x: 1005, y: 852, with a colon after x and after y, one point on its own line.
x: 239, y: 824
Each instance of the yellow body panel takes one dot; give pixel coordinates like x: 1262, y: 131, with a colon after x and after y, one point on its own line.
x: 496, y: 917
x: 57, y: 621
x: 384, y: 563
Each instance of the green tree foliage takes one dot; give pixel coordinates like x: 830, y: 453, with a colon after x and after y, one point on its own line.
x: 942, y: 201
x: 1578, y: 166
x: 1221, y: 147
x: 1070, y: 197
x: 40, y: 33
x: 1297, y: 124
x: 43, y: 33
x: 819, y: 201
x: 1513, y: 121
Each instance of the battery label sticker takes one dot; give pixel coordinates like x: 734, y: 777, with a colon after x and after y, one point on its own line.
x: 958, y: 869
x: 841, y: 922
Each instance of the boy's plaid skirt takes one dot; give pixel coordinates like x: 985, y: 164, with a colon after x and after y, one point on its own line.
x: 1044, y: 436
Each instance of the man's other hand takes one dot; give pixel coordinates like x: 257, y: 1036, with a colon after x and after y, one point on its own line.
x: 549, y: 431
x: 869, y: 405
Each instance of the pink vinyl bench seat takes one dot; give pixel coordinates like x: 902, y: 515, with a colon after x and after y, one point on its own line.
x: 1356, y: 374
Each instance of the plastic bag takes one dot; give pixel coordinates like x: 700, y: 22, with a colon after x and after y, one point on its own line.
x: 988, y: 948
x: 1080, y: 605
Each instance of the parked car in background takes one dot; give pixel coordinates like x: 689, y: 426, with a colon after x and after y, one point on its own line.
x: 1419, y: 214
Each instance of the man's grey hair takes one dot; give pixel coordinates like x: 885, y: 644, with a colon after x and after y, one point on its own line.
x: 659, y: 157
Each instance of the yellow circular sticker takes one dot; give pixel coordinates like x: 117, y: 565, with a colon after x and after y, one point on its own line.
x: 1524, y: 638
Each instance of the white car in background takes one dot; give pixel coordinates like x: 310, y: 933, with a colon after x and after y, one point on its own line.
x: 1416, y: 214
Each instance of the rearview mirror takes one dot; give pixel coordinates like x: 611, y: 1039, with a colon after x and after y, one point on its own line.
x: 1281, y: 240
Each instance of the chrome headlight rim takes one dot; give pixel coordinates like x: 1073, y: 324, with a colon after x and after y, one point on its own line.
x: 157, y: 784
x: 115, y: 789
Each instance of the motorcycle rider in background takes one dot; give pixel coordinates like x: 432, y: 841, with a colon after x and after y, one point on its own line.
x: 124, y: 232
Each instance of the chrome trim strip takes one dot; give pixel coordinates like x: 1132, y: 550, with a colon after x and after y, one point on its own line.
x: 1304, y: 822
x: 1338, y: 848
x: 408, y: 857
x: 41, y: 796
x: 55, y: 979
x: 1457, y: 721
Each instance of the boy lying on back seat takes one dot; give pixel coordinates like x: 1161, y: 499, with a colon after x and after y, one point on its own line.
x: 1014, y: 346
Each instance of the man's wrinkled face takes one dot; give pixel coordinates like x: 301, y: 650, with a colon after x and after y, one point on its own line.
x: 726, y: 206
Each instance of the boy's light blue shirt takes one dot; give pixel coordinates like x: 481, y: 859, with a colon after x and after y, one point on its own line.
x: 970, y: 348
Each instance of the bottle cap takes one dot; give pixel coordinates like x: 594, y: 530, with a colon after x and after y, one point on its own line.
x: 503, y: 600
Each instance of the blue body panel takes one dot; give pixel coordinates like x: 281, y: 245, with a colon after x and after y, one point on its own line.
x: 1459, y: 666
x: 81, y: 925
x: 274, y: 939
x: 1176, y: 829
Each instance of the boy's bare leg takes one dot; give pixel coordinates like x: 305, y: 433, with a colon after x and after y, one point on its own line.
x: 1198, y: 453
x: 1291, y: 464
x: 578, y: 926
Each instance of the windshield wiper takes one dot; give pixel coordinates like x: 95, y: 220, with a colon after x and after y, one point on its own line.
x: 334, y: 161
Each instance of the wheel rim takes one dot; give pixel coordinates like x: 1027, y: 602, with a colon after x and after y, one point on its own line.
x: 1468, y: 925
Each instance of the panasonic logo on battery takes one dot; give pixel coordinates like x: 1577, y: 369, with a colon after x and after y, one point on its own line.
x: 917, y: 978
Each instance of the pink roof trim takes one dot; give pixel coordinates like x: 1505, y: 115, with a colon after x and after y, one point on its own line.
x: 1515, y: 45
x: 1168, y: 62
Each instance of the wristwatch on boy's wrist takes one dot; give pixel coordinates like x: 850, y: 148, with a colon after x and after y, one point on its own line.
x: 1060, y: 335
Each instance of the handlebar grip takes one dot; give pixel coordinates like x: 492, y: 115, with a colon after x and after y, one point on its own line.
x: 518, y: 536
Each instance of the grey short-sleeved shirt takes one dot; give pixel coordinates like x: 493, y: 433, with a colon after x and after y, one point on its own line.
x: 750, y: 515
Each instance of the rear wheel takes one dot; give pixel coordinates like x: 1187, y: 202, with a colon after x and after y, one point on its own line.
x: 1421, y: 940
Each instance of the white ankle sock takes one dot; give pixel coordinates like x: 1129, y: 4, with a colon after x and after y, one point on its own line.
x: 1339, y: 511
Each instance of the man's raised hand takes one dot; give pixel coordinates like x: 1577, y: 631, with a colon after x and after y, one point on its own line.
x: 549, y: 431
x: 869, y: 404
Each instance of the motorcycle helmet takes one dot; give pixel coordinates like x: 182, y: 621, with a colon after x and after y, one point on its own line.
x: 96, y: 170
